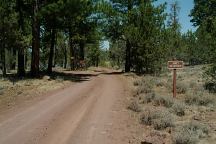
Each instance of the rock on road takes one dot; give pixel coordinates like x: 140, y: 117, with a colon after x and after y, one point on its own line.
x: 82, y: 113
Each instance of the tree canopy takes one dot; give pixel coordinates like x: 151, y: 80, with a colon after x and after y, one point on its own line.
x: 40, y: 35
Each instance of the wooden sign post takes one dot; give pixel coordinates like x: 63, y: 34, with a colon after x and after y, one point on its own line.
x: 174, y: 65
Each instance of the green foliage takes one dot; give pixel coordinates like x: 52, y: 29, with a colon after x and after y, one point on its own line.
x: 116, y: 53
x: 146, y: 87
x: 181, y: 88
x: 150, y: 97
x: 134, y: 106
x: 93, y: 54
x: 190, y: 133
x: 178, y: 108
x: 66, y: 32
x: 137, y: 25
x: 166, y: 101
x: 199, y: 98
x: 159, y: 119
x: 203, y: 16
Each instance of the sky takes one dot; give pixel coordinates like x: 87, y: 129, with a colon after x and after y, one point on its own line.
x: 185, y: 7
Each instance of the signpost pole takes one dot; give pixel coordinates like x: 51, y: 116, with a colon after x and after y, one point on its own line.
x: 174, y: 65
x: 174, y: 83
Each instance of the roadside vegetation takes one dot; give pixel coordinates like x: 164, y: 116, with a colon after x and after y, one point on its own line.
x: 187, y: 119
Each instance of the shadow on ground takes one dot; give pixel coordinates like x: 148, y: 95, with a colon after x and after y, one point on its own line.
x: 54, y: 76
x: 65, y: 76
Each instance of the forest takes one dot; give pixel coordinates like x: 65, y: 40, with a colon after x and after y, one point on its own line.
x: 38, y: 35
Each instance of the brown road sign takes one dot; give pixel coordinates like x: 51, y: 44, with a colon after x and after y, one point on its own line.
x: 175, y: 64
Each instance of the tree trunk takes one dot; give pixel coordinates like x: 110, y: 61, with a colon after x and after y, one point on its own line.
x: 3, y: 61
x: 97, y: 61
x: 21, y: 62
x: 54, y: 56
x: 71, y: 50
x: 50, y: 62
x: 35, y: 41
x: 26, y: 58
x: 21, y: 55
x: 128, y: 57
x: 128, y: 46
x: 55, y: 50
x: 82, y: 51
x: 14, y: 55
x: 65, y: 57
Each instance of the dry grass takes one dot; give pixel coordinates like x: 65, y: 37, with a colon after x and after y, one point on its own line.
x: 155, y: 94
x: 22, y: 90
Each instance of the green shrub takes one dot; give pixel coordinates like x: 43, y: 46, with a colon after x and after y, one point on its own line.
x: 134, y: 106
x: 184, y: 136
x: 163, y: 120
x: 145, y: 85
x: 192, y: 85
x: 149, y: 97
x: 191, y: 98
x: 181, y: 88
x: 145, y: 88
x: 190, y: 133
x: 147, y: 116
x: 163, y: 101
x: 210, y: 75
x: 210, y: 86
x: 137, y: 82
x: 158, y: 119
x: 159, y: 83
x: 1, y: 90
x: 180, y: 77
x: 199, y: 98
x: 178, y: 108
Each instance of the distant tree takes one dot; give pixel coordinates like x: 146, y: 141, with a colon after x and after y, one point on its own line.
x: 147, y: 37
x: 117, y: 53
x: 93, y: 54
x: 119, y: 18
x: 174, y: 31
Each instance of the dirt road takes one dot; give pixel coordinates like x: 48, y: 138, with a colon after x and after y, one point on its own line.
x: 88, y: 112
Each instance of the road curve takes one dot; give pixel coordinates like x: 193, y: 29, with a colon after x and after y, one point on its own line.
x: 79, y: 114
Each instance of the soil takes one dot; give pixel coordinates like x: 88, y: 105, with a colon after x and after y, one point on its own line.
x: 90, y: 110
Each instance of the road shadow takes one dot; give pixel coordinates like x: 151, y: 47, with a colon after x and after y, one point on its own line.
x: 112, y: 73
x: 61, y: 76
x: 74, y: 77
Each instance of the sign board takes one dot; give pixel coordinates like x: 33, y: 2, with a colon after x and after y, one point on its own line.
x: 175, y: 64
